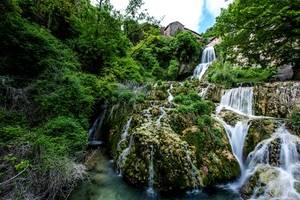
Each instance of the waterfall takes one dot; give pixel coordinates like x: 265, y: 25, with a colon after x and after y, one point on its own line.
x: 170, y: 97
x: 194, y: 172
x: 239, y: 100
x: 150, y: 190
x: 287, y: 166
x: 162, y: 114
x: 95, y: 130
x: 125, y: 132
x: 208, y: 56
x: 123, y: 156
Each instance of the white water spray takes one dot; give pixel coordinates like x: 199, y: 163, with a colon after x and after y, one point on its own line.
x: 208, y: 56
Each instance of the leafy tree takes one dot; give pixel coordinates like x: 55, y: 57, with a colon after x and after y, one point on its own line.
x: 261, y: 31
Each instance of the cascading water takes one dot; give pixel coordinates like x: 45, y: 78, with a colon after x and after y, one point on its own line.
x: 238, y: 100
x: 285, y: 165
x: 208, y: 56
x: 150, y: 191
x: 94, y: 132
x: 170, y: 97
x: 125, y: 132
x: 123, y: 156
x: 162, y: 114
x: 287, y: 168
x: 194, y: 173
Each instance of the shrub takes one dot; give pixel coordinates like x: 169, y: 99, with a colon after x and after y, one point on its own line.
x: 232, y: 76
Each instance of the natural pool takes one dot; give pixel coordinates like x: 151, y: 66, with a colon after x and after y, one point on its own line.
x: 105, y: 184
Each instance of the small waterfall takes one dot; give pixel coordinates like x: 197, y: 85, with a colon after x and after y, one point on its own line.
x: 194, y: 172
x: 125, y: 129
x: 237, y: 135
x: 208, y: 56
x: 287, y: 166
x: 162, y: 114
x: 170, y: 97
x: 150, y: 191
x: 95, y: 130
x: 125, y: 132
x: 238, y: 100
x: 123, y: 156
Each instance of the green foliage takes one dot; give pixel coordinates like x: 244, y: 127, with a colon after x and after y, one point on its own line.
x: 65, y: 95
x: 8, y: 133
x: 52, y: 14
x: 187, y: 48
x: 99, y: 37
x: 173, y: 69
x: 262, y: 31
x: 27, y: 50
x: 232, y: 76
x: 22, y: 165
x: 192, y: 103
x: 59, y: 137
x: 125, y: 69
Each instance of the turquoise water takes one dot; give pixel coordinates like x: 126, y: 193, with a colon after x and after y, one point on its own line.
x: 105, y: 184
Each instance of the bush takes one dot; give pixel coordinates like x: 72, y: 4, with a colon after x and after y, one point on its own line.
x: 60, y: 136
x: 232, y: 76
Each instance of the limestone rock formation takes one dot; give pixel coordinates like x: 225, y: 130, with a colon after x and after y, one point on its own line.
x: 276, y: 99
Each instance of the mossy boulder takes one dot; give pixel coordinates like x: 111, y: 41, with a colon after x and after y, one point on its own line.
x: 213, y: 153
x: 256, y: 185
x: 259, y: 130
x: 230, y: 117
x: 172, y: 159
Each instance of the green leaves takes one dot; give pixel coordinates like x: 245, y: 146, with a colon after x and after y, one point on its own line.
x: 264, y: 32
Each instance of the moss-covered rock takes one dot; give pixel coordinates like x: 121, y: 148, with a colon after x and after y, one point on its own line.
x: 172, y: 167
x: 189, y: 148
x: 256, y: 184
x: 259, y: 130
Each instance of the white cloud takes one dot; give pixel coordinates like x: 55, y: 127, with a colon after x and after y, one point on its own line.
x: 188, y: 12
x: 214, y: 6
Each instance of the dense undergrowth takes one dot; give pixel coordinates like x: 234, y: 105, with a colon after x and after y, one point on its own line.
x: 60, y: 61
x: 229, y: 75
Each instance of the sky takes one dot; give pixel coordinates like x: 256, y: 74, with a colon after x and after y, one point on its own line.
x: 197, y: 15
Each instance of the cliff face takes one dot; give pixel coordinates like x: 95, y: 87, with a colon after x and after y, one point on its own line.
x: 277, y: 99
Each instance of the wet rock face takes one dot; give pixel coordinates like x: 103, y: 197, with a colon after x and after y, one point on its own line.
x: 256, y: 184
x: 259, y: 130
x: 172, y: 169
x: 277, y: 99
x: 230, y: 117
x: 210, y: 91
